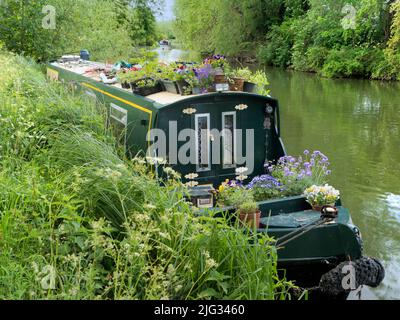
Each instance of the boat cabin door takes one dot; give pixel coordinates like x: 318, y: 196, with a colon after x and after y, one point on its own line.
x: 215, y: 144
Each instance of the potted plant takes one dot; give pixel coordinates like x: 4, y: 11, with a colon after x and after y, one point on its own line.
x: 249, y: 214
x: 180, y: 74
x: 247, y: 75
x: 205, y: 77
x: 217, y: 61
x: 237, y: 78
x: 231, y: 193
x: 125, y: 77
x: 167, y: 78
x: 261, y: 81
x: 193, y: 81
x: 146, y: 86
x: 320, y: 196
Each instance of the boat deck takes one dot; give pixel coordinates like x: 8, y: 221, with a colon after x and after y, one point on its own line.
x: 92, y: 70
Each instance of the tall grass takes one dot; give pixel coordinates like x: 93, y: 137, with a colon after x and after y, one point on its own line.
x: 77, y: 221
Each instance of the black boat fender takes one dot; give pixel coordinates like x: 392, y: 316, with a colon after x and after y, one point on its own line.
x: 337, y: 284
x: 367, y: 271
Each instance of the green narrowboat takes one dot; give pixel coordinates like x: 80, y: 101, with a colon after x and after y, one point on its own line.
x: 312, y: 245
x: 136, y: 119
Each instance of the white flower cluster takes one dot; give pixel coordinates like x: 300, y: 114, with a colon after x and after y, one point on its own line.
x: 241, y: 173
x: 322, y: 195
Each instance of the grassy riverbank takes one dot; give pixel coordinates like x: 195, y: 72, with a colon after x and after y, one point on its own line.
x: 77, y: 221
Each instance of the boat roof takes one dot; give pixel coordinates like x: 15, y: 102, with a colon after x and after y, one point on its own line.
x: 92, y: 70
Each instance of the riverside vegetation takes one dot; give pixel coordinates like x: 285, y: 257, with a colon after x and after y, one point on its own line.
x: 109, y: 29
x: 335, y: 38
x: 79, y: 221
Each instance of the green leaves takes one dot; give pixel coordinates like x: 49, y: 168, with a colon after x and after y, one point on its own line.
x: 94, y: 25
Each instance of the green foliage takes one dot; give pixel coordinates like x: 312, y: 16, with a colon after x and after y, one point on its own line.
x: 106, y: 30
x: 77, y: 221
x: 312, y: 38
x: 299, y: 34
x: 296, y: 8
x: 248, y: 207
x: 142, y: 25
x: 394, y: 42
x: 165, y: 30
x: 261, y: 80
x: 277, y: 51
x: 225, y: 26
x: 342, y: 63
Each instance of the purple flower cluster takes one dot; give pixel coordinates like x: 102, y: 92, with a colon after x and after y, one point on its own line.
x: 215, y: 59
x: 204, y: 72
x: 264, y: 181
x: 234, y: 184
x: 301, y: 167
x: 204, y: 76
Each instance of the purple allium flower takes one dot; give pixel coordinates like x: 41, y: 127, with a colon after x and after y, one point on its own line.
x: 306, y: 152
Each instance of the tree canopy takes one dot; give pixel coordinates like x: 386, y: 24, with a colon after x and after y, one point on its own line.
x: 45, y: 29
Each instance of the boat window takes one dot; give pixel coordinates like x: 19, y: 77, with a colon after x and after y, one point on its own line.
x: 228, y: 139
x: 118, y: 123
x: 202, y: 128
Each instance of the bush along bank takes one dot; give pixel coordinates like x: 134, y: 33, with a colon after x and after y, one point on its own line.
x: 78, y: 221
x: 323, y: 40
x: 335, y: 38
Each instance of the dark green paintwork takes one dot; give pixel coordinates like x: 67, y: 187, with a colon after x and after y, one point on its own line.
x: 267, y: 141
x: 331, y: 242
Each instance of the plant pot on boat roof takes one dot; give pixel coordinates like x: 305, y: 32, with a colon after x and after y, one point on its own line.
x: 249, y: 214
x: 260, y: 80
x: 237, y: 78
x: 202, y: 78
x: 320, y: 196
x: 146, y: 86
x: 125, y: 77
x: 167, y: 77
x: 180, y: 80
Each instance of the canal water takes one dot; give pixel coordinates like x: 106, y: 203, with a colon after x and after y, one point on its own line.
x: 356, y: 123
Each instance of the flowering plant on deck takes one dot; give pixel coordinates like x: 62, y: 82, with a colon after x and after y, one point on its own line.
x: 204, y: 76
x: 216, y: 61
x: 232, y: 193
x: 290, y: 176
x: 321, y: 195
x: 296, y: 174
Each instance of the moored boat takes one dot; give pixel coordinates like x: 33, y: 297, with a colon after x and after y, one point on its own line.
x: 309, y: 244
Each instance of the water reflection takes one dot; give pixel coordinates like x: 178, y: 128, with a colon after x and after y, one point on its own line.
x: 171, y: 54
x: 393, y: 202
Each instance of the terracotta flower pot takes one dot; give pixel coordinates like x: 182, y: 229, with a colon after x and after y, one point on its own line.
x: 251, y: 220
x: 219, y: 79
